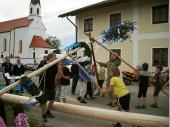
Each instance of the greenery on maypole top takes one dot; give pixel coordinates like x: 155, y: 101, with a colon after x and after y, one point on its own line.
x: 87, y: 51
x: 119, y: 33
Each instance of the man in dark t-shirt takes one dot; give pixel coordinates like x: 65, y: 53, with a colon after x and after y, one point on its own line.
x: 48, y: 87
x: 75, y: 75
x: 7, y: 69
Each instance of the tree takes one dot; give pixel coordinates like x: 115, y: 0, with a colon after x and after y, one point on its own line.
x: 55, y: 42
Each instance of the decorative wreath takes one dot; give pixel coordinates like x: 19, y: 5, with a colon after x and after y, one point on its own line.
x: 121, y: 32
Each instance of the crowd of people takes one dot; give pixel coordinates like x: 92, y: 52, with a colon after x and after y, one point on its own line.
x: 55, y: 83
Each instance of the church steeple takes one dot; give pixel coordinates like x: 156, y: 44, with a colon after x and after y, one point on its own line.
x: 35, y: 9
x: 34, y: 2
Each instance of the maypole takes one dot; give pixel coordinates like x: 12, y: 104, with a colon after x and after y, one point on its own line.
x: 101, y: 114
x: 94, y: 40
x: 75, y: 61
x: 35, y: 73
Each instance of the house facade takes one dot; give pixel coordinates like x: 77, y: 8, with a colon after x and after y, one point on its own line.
x: 24, y: 37
x: 148, y: 43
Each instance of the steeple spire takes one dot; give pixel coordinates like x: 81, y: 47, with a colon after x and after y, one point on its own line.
x: 34, y: 2
x: 35, y: 9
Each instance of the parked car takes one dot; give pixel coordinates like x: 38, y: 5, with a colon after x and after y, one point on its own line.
x: 31, y: 67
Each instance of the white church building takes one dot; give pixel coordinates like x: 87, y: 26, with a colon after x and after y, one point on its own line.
x: 24, y: 37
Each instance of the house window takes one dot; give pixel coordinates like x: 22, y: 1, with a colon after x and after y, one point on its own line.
x: 46, y: 51
x: 5, y: 45
x: 20, y: 46
x: 30, y: 10
x: 114, y: 19
x: 160, y: 14
x: 160, y: 56
x: 38, y: 12
x: 118, y: 51
x: 34, y: 55
x: 88, y: 25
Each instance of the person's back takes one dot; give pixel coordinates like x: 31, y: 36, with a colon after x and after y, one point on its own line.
x: 144, y: 77
x: 119, y: 87
x: 75, y: 76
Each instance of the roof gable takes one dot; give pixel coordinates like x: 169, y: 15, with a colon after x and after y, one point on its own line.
x: 39, y: 42
x: 93, y: 6
x: 16, y: 23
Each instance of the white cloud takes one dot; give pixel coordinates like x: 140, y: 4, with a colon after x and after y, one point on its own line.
x: 60, y: 27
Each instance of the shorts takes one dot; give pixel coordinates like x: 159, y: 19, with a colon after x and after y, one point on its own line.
x: 64, y: 90
x: 142, y: 91
x: 124, y: 102
x: 49, y: 94
x: 156, y: 91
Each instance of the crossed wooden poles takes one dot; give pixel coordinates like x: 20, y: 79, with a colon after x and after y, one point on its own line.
x: 94, y: 40
x: 8, y: 88
x: 97, y: 113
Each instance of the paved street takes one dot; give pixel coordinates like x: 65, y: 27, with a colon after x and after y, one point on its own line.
x: 68, y: 120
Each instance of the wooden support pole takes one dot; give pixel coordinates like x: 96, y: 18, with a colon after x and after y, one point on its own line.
x: 94, y: 40
x: 94, y: 60
x: 35, y: 73
x: 102, y: 114
x: 74, y: 60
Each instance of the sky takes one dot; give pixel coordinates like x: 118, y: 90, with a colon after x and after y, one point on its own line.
x: 50, y: 9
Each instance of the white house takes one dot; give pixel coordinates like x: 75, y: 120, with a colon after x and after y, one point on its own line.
x: 24, y: 37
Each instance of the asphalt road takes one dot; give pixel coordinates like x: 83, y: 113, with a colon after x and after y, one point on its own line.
x: 69, y: 120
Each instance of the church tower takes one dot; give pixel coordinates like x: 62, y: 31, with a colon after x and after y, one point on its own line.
x: 35, y: 9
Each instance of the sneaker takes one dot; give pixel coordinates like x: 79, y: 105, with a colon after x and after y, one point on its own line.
x: 138, y: 107
x: 83, y: 101
x: 154, y: 106
x: 86, y: 97
x: 78, y: 98
x: 117, y: 125
x: 50, y: 115
x: 44, y: 117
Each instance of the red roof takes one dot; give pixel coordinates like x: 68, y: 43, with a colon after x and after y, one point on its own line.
x: 16, y: 23
x: 39, y: 42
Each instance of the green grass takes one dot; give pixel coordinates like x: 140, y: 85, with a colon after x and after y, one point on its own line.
x: 34, y: 121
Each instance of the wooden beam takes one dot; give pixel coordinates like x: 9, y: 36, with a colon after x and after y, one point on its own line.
x: 75, y: 61
x: 94, y: 40
x: 98, y: 113
x: 35, y: 73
